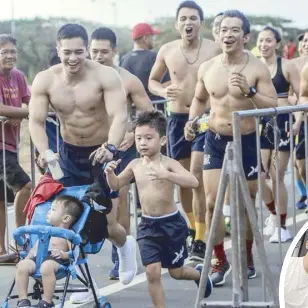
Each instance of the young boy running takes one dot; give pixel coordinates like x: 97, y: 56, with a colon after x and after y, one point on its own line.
x: 162, y: 231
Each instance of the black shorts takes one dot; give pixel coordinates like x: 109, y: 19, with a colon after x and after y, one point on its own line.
x: 300, y: 147
x: 76, y: 166
x: 16, y: 177
x: 215, y: 147
x: 163, y: 239
x: 178, y: 146
x: 267, y: 133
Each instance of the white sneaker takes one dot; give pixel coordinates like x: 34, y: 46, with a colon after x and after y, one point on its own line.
x: 284, y: 234
x: 270, y: 225
x: 127, y: 260
x: 81, y: 297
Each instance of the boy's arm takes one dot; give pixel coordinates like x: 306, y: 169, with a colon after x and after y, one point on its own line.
x: 180, y: 176
x: 171, y: 171
x: 116, y: 182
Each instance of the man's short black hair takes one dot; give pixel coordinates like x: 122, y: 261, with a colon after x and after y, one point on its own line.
x: 241, y: 16
x: 190, y: 5
x: 70, y: 31
x: 104, y: 33
x: 7, y: 38
x: 72, y: 206
x: 300, y: 37
x: 154, y: 119
x: 53, y: 58
x: 274, y: 31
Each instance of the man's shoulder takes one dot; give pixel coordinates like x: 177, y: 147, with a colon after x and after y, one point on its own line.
x: 300, y: 62
x: 170, y: 45
x: 16, y: 72
x: 128, y: 77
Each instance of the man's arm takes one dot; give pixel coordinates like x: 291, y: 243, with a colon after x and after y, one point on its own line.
x: 158, y: 71
x: 201, y: 96
x: 115, y: 103
x: 266, y: 95
x: 38, y: 112
x: 13, y: 112
x: 303, y: 93
x: 138, y: 95
x: 294, y: 80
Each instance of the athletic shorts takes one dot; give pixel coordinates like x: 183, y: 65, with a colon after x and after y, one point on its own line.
x: 267, y: 133
x: 76, y: 166
x: 16, y: 177
x: 163, y: 239
x: 178, y: 146
x: 300, y: 147
x: 215, y: 147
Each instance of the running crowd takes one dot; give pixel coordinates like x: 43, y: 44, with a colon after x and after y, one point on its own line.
x: 106, y: 116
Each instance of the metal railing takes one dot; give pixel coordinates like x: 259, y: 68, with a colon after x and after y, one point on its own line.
x: 233, y: 173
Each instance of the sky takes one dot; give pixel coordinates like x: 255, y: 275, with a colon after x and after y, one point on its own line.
x: 130, y: 12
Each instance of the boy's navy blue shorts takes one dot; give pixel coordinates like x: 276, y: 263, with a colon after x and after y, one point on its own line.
x: 163, y: 239
x: 76, y: 166
x: 178, y: 146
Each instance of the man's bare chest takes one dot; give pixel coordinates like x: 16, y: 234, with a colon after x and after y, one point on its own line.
x: 84, y: 97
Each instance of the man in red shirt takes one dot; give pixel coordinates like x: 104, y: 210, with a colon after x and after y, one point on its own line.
x: 289, y: 50
x: 13, y: 93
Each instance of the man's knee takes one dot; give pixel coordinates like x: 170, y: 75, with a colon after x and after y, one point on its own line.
x: 153, y: 272
x: 175, y: 273
x: 26, y: 189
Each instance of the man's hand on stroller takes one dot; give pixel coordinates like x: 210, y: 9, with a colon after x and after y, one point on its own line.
x: 101, y: 155
x: 111, y: 166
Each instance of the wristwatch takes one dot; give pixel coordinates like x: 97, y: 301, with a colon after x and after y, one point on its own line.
x: 252, y: 92
x: 111, y: 148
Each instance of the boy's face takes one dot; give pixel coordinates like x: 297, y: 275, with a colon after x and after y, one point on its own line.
x: 56, y: 215
x: 148, y: 141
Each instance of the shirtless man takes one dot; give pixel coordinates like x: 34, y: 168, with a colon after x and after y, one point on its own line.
x: 90, y: 102
x: 303, y: 99
x: 216, y: 26
x: 103, y: 48
x: 235, y: 80
x: 300, y: 147
x: 183, y: 58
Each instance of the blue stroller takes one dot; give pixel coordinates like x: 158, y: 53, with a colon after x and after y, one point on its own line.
x: 40, y: 231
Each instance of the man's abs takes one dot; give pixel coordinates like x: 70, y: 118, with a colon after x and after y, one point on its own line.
x: 185, y: 97
x: 85, y: 135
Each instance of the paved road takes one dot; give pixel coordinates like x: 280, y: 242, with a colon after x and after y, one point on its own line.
x: 177, y: 293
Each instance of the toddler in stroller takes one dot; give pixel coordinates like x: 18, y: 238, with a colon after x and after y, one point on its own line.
x: 65, y: 211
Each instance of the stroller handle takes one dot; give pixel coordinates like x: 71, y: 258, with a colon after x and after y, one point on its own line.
x: 43, y: 231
